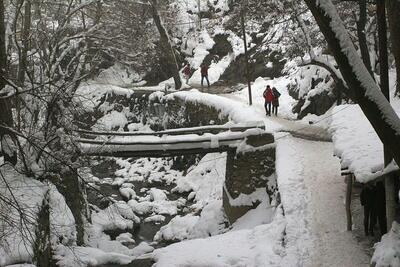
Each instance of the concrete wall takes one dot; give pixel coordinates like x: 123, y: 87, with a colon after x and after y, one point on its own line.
x: 250, y: 177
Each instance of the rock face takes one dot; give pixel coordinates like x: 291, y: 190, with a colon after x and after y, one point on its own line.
x: 262, y: 63
x: 180, y: 114
x: 320, y: 97
x: 221, y: 48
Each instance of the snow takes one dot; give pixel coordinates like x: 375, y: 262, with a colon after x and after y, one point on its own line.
x: 84, y: 256
x: 260, y: 246
x: 206, y: 180
x: 118, y: 215
x: 248, y: 200
x: 28, y: 194
x: 356, y: 142
x: 387, y: 251
x: 151, y: 143
x: 62, y: 221
x: 112, y: 120
x: 90, y: 93
x: 117, y: 75
x: 312, y: 194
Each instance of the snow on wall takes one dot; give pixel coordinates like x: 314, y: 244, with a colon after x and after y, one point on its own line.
x: 237, y: 112
x: 356, y: 142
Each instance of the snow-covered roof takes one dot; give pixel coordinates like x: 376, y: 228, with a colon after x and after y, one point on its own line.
x: 356, y: 142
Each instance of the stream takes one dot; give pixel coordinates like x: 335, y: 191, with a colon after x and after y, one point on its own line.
x: 106, y: 190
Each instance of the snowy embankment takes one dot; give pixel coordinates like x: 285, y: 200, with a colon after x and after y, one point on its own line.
x: 23, y: 199
x: 249, y: 246
x: 356, y: 142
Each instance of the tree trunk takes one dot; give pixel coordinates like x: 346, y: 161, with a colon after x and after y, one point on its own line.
x: 362, y: 39
x: 167, y: 51
x: 246, y: 54
x: 384, y: 75
x: 23, y: 60
x: 393, y: 11
x: 6, y: 138
x: 374, y: 105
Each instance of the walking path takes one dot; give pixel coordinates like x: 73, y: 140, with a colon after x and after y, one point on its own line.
x: 312, y: 193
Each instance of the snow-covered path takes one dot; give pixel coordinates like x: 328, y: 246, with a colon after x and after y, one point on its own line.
x: 312, y: 193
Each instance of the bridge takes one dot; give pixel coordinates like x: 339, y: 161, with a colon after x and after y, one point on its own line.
x: 250, y: 151
x: 173, y: 142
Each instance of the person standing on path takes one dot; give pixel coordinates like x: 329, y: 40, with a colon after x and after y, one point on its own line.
x: 367, y: 198
x: 204, y: 74
x: 186, y: 72
x: 275, y: 102
x: 268, y: 97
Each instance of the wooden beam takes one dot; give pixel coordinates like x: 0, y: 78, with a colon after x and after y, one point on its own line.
x: 193, y: 130
x: 159, y: 153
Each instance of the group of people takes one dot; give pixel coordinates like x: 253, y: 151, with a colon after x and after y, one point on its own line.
x: 373, y: 200
x: 271, y: 95
x: 203, y: 70
x: 271, y: 98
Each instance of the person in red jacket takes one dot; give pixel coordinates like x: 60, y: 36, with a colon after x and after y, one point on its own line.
x: 268, y: 97
x: 204, y: 74
x: 186, y: 72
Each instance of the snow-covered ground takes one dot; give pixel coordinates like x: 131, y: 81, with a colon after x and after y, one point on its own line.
x: 306, y: 229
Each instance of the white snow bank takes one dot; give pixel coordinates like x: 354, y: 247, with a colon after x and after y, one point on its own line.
x: 117, y: 75
x: 356, y: 142
x: 236, y: 111
x: 90, y: 93
x: 112, y: 120
x: 118, y: 215
x: 18, y: 232
x: 387, y: 252
x: 84, y: 256
x: 263, y: 214
x: 261, y: 246
x: 62, y: 220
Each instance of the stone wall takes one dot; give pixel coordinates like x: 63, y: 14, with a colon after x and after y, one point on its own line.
x: 248, y: 174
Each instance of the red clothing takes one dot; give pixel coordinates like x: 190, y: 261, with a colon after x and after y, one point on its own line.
x: 204, y: 70
x: 268, y: 95
x: 186, y: 71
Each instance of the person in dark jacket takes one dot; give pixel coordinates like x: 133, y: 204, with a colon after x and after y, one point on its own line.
x: 379, y: 209
x: 275, y: 102
x: 268, y: 98
x: 367, y: 198
x: 204, y: 74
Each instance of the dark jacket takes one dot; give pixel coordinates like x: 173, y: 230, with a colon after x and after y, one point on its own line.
x: 367, y: 196
x: 204, y: 70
